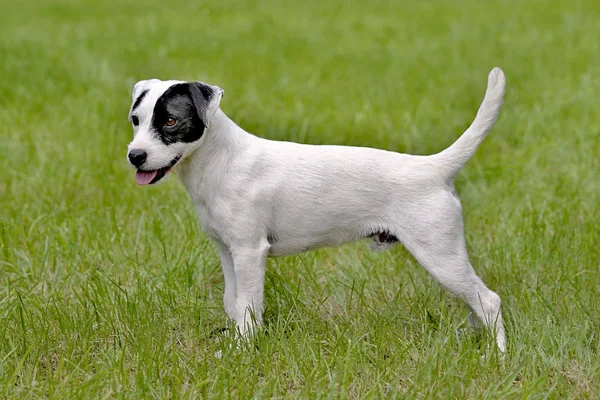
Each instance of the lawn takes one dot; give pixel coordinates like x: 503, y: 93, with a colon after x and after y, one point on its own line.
x: 109, y: 290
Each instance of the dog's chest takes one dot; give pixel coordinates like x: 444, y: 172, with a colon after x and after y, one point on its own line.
x: 216, y: 217
x: 208, y: 215
x: 210, y: 225
x: 204, y: 202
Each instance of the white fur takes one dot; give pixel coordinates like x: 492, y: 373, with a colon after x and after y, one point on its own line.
x: 246, y: 189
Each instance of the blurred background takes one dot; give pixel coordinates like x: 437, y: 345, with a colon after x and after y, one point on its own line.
x: 108, y: 289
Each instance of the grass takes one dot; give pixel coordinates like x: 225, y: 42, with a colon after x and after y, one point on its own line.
x: 108, y: 290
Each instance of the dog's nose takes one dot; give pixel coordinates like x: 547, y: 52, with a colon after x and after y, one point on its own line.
x: 137, y: 157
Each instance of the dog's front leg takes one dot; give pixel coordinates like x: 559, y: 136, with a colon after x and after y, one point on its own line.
x: 249, y: 266
x: 229, y: 294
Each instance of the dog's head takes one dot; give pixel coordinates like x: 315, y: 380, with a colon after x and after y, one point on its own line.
x: 169, y: 119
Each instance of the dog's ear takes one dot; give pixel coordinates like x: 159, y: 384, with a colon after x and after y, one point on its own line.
x: 206, y: 99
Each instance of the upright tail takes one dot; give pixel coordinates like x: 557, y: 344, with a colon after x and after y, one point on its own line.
x: 454, y: 158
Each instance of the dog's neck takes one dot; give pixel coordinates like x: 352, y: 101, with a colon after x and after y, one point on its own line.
x: 223, y: 141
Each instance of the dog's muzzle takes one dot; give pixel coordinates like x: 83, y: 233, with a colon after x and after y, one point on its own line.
x: 149, y: 177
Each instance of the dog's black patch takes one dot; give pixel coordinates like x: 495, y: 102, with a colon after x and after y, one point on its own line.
x: 384, y: 237
x: 139, y: 99
x: 187, y: 103
x: 271, y: 238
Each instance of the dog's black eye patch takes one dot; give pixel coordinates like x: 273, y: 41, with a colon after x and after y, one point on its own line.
x: 176, y: 104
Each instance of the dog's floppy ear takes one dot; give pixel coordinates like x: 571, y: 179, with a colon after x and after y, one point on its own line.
x: 206, y: 99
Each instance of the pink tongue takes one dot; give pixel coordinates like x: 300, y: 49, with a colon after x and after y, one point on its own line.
x: 144, y: 178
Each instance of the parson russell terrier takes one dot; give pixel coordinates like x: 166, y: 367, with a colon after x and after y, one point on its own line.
x: 258, y: 198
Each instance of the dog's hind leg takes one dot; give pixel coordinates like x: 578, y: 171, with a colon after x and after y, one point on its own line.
x: 435, y: 237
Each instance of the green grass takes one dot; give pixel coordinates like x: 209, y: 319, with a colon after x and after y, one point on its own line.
x: 108, y: 290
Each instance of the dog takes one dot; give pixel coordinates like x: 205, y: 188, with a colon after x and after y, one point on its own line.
x: 258, y: 198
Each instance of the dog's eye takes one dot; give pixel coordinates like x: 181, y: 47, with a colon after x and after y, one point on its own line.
x: 135, y: 120
x: 171, y: 121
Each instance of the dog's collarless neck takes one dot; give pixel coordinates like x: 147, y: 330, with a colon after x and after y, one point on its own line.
x: 223, y: 142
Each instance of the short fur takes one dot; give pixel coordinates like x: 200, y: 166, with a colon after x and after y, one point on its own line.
x: 258, y: 198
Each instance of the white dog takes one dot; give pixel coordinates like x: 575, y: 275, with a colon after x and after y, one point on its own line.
x: 258, y: 198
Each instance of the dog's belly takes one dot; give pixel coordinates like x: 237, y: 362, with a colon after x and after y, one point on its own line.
x: 286, y: 249
x: 294, y: 244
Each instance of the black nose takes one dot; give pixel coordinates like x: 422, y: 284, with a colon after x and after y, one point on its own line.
x: 137, y: 157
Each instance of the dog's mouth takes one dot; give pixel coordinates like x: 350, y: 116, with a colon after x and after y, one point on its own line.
x: 143, y: 177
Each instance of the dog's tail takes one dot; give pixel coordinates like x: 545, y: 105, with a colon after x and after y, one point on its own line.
x: 454, y: 158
